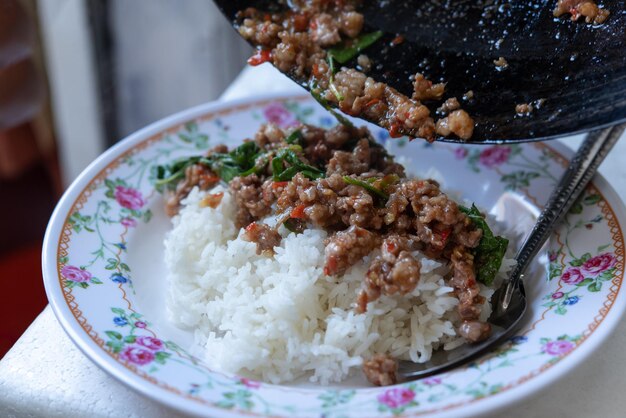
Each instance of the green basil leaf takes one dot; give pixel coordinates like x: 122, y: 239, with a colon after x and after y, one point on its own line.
x: 346, y: 52
x: 490, y: 251
x: 296, y: 226
x: 226, y: 172
x: 167, y: 176
x: 340, y: 118
x: 367, y: 186
x: 295, y: 137
x: 289, y: 156
x: 287, y: 174
x: 331, y: 79
x: 312, y: 173
x: 277, y: 167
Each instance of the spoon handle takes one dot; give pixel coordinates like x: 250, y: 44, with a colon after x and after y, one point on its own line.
x: 581, y: 169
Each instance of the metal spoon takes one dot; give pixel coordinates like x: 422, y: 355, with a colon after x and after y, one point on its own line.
x: 579, y: 69
x: 509, y: 301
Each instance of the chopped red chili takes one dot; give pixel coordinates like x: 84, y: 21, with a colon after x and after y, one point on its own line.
x: 300, y: 22
x: 279, y: 184
x: 261, y: 56
x: 397, y: 40
x: 252, y: 227
x: 445, y: 234
x: 298, y: 212
x: 316, y: 71
x: 331, y: 266
x: 212, y: 200
x: 372, y: 102
x: 394, y: 131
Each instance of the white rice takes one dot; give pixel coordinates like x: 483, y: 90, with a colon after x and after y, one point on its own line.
x: 279, y: 318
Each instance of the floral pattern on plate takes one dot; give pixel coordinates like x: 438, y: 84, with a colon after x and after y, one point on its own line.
x: 102, y: 268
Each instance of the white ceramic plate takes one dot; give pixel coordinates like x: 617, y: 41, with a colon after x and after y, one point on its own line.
x: 104, y: 274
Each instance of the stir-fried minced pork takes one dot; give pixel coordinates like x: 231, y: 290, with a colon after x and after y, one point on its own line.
x: 395, y: 270
x: 582, y: 8
x: 196, y: 175
x: 475, y: 331
x: 501, y: 63
x: 457, y: 122
x: 266, y: 238
x: 342, y: 181
x: 345, y: 248
x: 449, y: 105
x: 381, y: 370
x: 249, y: 197
x: 297, y: 41
x: 524, y: 109
x: 424, y: 89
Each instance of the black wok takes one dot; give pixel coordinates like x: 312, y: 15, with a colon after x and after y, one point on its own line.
x: 578, y: 68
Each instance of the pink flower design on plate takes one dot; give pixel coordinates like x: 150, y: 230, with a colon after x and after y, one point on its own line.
x: 137, y: 355
x: 494, y: 156
x: 552, y: 256
x: 129, y: 222
x: 151, y: 343
x: 129, y: 198
x: 558, y: 348
x: 598, y: 264
x: 251, y: 384
x: 432, y: 381
x: 572, y: 275
x: 277, y: 113
x: 396, y: 397
x: 140, y: 324
x: 558, y: 295
x: 75, y: 274
x: 460, y: 153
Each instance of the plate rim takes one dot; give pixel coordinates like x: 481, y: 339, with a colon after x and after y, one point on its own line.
x: 160, y: 394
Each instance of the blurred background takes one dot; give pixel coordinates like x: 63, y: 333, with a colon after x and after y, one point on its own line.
x: 76, y: 76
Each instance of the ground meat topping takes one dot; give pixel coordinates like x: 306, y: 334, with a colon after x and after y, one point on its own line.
x: 467, y: 290
x: 345, y: 248
x: 364, y: 62
x: 449, y: 105
x: 424, y: 89
x: 475, y: 331
x: 582, y: 8
x: 457, y: 122
x: 324, y: 30
x: 501, y: 63
x: 270, y: 137
x: 524, y: 109
x: 297, y: 43
x: 351, y: 23
x: 263, y: 236
x: 395, y: 270
x: 248, y: 194
x: 381, y: 370
x: 195, y: 175
x: 355, y: 162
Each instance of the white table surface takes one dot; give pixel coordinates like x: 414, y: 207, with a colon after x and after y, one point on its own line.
x: 45, y: 375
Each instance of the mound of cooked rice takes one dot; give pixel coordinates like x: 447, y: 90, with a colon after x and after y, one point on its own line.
x: 279, y: 318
